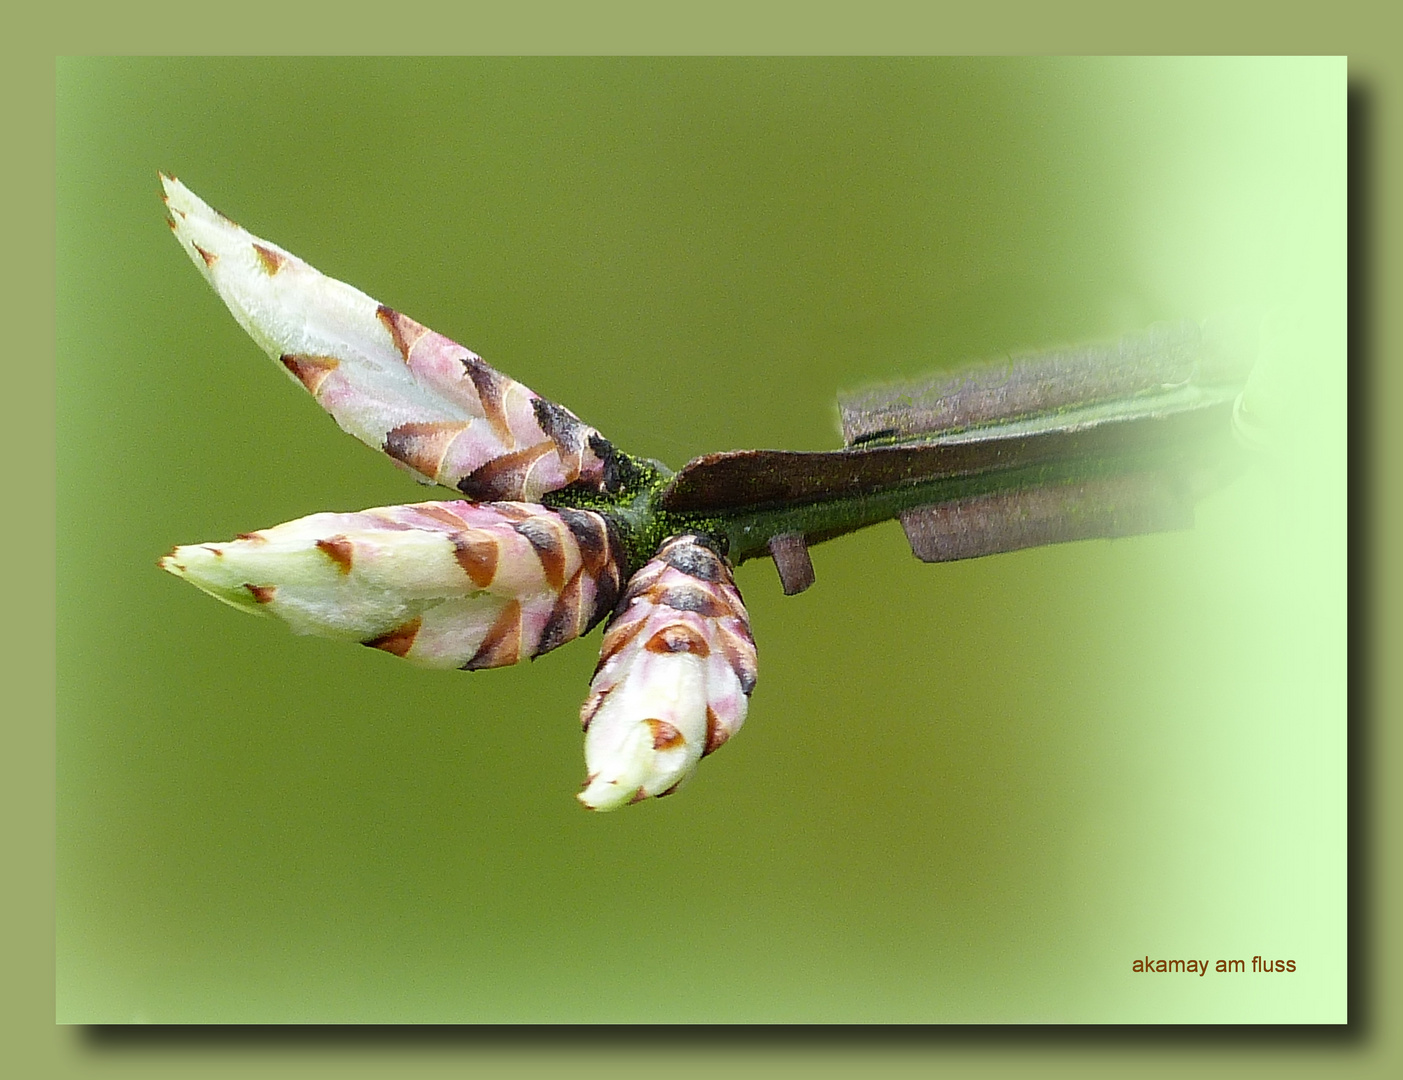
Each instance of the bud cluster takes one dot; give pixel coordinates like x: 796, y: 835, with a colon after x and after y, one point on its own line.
x: 482, y: 583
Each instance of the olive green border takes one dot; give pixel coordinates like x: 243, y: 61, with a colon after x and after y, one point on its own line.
x: 30, y: 1043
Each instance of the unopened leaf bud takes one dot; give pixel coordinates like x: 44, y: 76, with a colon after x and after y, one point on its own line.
x: 441, y: 584
x: 674, y: 677
x: 435, y: 407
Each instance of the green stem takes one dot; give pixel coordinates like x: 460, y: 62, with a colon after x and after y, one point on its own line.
x: 742, y: 500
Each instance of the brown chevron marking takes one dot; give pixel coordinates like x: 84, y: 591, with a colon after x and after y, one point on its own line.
x: 638, y: 796
x: 272, y: 260
x: 617, y: 636
x: 338, y: 550
x: 504, y: 476
x: 549, y: 546
x: 399, y: 640
x: 590, y: 707
x: 172, y: 224
x: 502, y: 645
x: 730, y: 596
x: 477, y: 555
x: 741, y: 656
x: 590, y: 534
x: 256, y: 537
x: 692, y: 598
x: 665, y: 736
x: 405, y: 331
x: 564, y: 622
x: 669, y: 791
x: 262, y: 593
x: 606, y: 593
x: 209, y: 256
x: 311, y: 371
x: 491, y: 389
x: 642, y: 583
x: 716, y: 735
x: 421, y: 446
x: 515, y: 511
x: 678, y: 638
x: 441, y: 514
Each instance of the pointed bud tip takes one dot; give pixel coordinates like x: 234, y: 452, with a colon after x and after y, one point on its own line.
x: 195, y: 563
x: 182, y: 203
x: 176, y: 561
x: 170, y: 187
x: 603, y: 795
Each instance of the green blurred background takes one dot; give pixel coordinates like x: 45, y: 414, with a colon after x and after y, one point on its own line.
x: 971, y: 792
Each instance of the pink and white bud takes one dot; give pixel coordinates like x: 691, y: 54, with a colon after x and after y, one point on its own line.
x: 433, y: 406
x: 674, y: 677
x: 441, y: 584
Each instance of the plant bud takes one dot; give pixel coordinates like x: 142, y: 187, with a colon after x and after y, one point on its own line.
x: 441, y: 584
x: 433, y: 406
x: 674, y: 677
